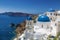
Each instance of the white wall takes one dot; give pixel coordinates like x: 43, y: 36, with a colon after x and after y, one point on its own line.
x: 45, y: 24
x: 53, y: 16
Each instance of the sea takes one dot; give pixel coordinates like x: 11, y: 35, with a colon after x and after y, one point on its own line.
x: 7, y: 32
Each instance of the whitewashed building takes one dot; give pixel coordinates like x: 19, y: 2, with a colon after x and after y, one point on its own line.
x: 46, y: 24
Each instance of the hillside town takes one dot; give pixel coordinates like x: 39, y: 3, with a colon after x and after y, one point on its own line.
x: 44, y: 27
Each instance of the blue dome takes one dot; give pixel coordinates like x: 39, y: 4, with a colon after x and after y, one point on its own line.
x: 43, y: 18
x: 51, y: 10
x: 29, y: 18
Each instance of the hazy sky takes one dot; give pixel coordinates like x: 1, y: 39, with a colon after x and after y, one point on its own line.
x: 28, y: 6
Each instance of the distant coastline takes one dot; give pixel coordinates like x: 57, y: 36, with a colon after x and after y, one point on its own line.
x: 16, y: 14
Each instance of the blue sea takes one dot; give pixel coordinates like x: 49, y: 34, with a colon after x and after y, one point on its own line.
x: 7, y: 32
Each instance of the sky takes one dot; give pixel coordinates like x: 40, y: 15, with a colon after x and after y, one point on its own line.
x: 28, y: 6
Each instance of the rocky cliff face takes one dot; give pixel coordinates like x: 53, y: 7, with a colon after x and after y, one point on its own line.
x: 20, y: 27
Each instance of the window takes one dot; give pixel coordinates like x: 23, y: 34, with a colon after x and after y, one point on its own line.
x: 47, y: 27
x: 51, y: 18
x: 24, y: 37
x: 34, y: 32
x: 50, y: 13
x: 51, y: 28
x: 19, y: 38
x: 45, y: 14
x: 56, y: 14
x: 55, y: 24
x: 42, y: 26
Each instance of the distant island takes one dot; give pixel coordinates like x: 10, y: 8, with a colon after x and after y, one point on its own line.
x: 16, y: 14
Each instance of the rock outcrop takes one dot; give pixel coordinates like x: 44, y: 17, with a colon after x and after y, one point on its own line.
x: 20, y: 27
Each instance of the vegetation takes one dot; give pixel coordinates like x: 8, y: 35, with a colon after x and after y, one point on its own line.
x: 50, y: 38
x: 55, y: 38
x: 58, y: 34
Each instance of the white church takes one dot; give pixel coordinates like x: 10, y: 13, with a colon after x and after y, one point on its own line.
x: 47, y: 24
